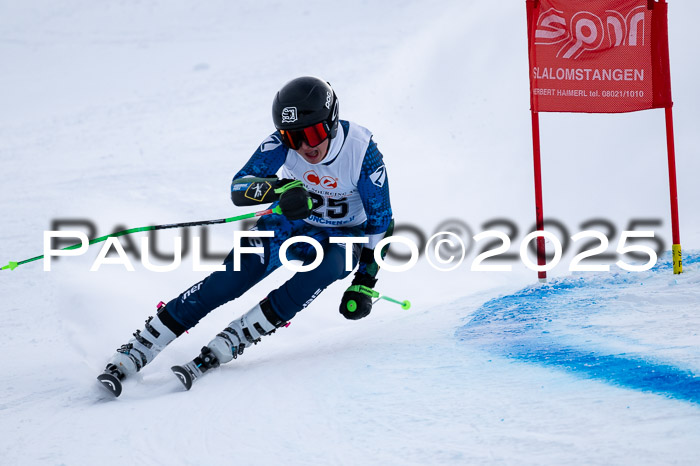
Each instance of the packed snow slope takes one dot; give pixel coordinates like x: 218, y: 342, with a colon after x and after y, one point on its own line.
x: 131, y: 113
x: 598, y: 326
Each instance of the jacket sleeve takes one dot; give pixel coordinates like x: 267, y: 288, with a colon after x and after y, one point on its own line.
x: 254, y: 183
x: 373, y: 187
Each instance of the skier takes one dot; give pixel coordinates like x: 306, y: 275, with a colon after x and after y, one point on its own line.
x: 328, y: 179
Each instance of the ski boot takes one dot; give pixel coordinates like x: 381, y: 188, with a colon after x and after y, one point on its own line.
x: 229, y: 344
x: 139, y: 351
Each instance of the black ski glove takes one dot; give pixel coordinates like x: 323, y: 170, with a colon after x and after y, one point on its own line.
x: 357, y: 299
x: 295, y: 201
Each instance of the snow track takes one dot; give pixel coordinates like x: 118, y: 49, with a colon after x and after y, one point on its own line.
x: 133, y: 113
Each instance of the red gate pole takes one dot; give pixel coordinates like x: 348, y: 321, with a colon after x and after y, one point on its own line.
x: 673, y: 187
x: 539, y: 213
x: 676, y: 248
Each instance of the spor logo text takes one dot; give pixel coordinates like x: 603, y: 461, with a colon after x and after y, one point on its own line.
x: 586, y: 31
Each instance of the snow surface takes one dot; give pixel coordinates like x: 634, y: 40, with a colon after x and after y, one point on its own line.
x: 131, y: 113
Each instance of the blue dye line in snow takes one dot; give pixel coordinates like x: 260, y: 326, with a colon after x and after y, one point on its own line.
x: 632, y: 373
x: 515, y: 326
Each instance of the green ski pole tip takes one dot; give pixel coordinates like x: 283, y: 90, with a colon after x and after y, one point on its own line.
x: 11, y: 266
x: 352, y: 305
x: 406, y: 305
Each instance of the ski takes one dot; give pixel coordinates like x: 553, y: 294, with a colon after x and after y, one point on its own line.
x: 188, y: 373
x: 111, y: 382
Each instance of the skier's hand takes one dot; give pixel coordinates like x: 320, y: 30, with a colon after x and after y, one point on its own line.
x: 295, y: 201
x: 357, y: 304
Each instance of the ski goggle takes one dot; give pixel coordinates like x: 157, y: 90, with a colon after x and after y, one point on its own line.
x: 313, y: 135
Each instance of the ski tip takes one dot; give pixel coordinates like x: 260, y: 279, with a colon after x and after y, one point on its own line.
x: 183, y: 376
x: 111, y: 383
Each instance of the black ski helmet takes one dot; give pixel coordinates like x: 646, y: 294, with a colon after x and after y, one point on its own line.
x: 303, y: 102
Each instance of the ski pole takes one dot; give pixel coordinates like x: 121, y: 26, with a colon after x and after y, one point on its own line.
x: 405, y: 304
x: 275, y: 210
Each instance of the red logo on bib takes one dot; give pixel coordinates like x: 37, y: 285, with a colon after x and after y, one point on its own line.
x: 326, y: 182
